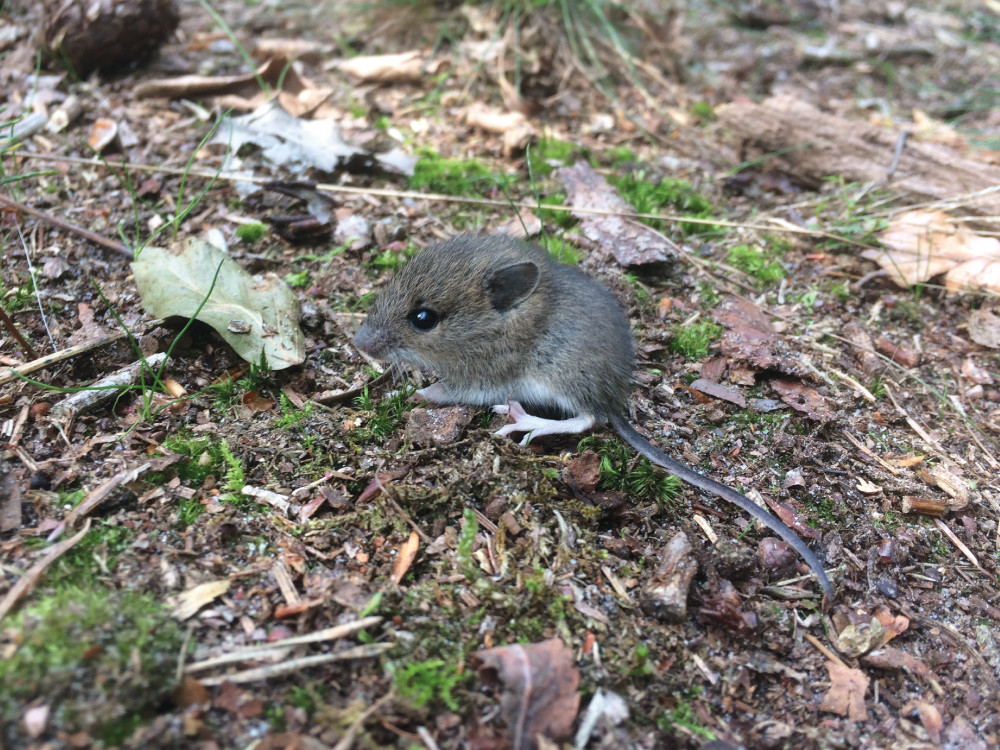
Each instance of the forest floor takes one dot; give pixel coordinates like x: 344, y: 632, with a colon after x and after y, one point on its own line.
x: 296, y: 554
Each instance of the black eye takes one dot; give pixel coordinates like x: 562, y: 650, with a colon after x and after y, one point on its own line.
x: 423, y: 319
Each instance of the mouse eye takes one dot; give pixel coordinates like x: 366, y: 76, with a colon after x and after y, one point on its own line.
x: 423, y: 319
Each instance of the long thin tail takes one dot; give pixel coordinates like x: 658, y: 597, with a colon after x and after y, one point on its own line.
x: 689, y: 475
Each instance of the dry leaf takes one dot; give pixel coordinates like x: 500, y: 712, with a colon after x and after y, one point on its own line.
x: 893, y: 624
x: 867, y: 487
x: 846, y: 695
x: 718, y: 391
x: 102, y: 134
x: 855, y: 640
x: 478, y: 115
x: 922, y: 244
x: 407, y: 554
x: 403, y: 67
x: 629, y: 242
x: 984, y: 327
x: 930, y: 717
x: 539, y: 688
x: 582, y: 472
x: 188, y: 602
x: 805, y: 399
x: 890, y: 657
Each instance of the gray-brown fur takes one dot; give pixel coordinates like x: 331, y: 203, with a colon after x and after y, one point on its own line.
x: 565, y: 346
x: 515, y: 325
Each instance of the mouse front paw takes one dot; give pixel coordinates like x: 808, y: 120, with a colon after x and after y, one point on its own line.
x: 436, y: 393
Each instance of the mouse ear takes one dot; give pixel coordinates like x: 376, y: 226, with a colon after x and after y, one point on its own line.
x: 511, y: 285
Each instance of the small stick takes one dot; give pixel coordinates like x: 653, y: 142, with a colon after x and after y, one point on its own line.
x: 12, y: 329
x: 57, y: 222
x: 12, y: 373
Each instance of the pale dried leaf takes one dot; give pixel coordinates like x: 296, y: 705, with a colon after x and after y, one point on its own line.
x: 407, y: 554
x: 478, y: 115
x: 922, y: 244
x: 984, y: 327
x: 846, y: 695
x: 187, y: 603
x: 409, y: 67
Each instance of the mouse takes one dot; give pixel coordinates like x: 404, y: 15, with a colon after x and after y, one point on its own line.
x: 502, y: 323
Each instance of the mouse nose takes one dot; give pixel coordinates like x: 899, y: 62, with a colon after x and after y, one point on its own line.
x: 369, y: 340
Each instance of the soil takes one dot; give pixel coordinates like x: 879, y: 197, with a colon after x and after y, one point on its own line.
x: 866, y: 415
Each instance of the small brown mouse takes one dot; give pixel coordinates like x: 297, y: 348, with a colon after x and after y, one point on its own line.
x: 503, y: 324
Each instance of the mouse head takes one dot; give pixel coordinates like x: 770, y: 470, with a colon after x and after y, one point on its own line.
x: 457, y: 304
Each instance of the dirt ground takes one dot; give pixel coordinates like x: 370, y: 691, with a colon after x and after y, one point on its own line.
x: 407, y: 578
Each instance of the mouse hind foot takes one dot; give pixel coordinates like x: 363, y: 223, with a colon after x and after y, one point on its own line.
x: 536, y: 426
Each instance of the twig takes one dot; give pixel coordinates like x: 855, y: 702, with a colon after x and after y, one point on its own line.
x: 258, y: 674
x: 443, y: 197
x: 398, y: 508
x: 267, y: 650
x: 32, y: 574
x: 823, y: 649
x: 900, y: 142
x: 12, y: 373
x: 57, y: 222
x: 347, y: 741
x: 12, y: 330
x: 38, y: 294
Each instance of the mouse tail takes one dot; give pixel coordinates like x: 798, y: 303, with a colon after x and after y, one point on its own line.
x: 692, y: 477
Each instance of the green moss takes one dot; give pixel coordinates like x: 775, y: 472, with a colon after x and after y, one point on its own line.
x: 101, y: 658
x: 291, y: 416
x: 431, y: 680
x: 390, y: 260
x: 562, y: 219
x: 251, y: 233
x: 619, y: 471
x: 756, y: 262
x: 548, y: 154
x: 692, y: 341
x: 93, y: 556
x: 456, y: 177
x: 465, y: 541
x: 384, y: 417
x: 668, y: 195
x: 684, y: 715
x: 841, y: 291
x: 620, y: 155
x: 561, y: 250
x: 703, y: 112
x: 299, y: 280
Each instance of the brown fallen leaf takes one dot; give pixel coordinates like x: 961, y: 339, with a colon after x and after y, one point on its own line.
x: 539, y: 682
x: 930, y: 717
x: 922, y: 244
x: 629, y: 242
x: 890, y: 657
x: 407, y: 554
x: 719, y: 391
x: 805, y: 399
x: 254, y: 401
x: 846, y: 695
x: 583, y: 471
x: 189, y: 692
